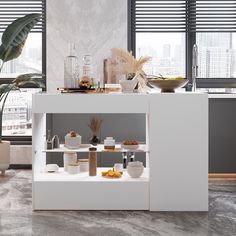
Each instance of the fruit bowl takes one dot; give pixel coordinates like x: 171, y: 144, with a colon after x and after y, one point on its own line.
x: 130, y: 144
x: 130, y: 147
x: 168, y: 85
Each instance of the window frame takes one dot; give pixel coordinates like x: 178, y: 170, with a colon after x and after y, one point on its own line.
x: 26, y: 139
x: 189, y: 42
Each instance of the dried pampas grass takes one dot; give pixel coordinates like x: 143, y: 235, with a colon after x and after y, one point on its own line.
x: 95, y: 125
x: 125, y: 63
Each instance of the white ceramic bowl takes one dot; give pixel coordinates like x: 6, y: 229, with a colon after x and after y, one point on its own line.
x: 51, y: 168
x: 128, y: 86
x: 135, y: 171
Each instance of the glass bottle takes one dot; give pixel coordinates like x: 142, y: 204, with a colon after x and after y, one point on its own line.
x: 87, y: 67
x: 49, y: 141
x: 71, y: 68
x: 131, y: 156
x: 124, y: 156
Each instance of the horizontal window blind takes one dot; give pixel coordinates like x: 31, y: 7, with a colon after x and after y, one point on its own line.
x: 160, y: 16
x: 212, y: 16
x: 184, y: 16
x: 13, y: 9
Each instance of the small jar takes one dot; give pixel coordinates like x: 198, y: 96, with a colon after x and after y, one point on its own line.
x: 69, y: 158
x: 84, y: 165
x: 118, y: 167
x: 73, y: 169
x: 109, y: 143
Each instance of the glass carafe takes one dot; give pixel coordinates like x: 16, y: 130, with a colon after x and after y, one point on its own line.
x: 71, y: 68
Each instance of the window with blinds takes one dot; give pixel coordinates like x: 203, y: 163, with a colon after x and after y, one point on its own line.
x: 17, y: 124
x: 184, y: 16
x: 168, y: 29
x: 212, y: 16
x: 12, y: 9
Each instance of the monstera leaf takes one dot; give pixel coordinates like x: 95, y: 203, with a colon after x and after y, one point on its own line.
x: 5, y: 88
x: 15, y: 35
x: 30, y: 78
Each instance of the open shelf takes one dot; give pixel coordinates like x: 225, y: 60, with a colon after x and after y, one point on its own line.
x: 100, y: 148
x: 62, y: 176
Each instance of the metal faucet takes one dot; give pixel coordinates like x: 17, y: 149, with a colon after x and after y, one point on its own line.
x: 194, y: 67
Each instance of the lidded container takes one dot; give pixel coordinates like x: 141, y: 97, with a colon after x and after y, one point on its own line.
x: 84, y: 165
x: 109, y: 143
x: 73, y: 140
x: 70, y: 158
x: 73, y: 168
x: 71, y: 68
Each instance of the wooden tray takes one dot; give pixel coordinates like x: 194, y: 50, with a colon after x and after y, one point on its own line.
x: 109, y: 177
x: 75, y: 90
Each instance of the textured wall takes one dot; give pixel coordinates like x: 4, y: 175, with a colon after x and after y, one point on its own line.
x: 95, y: 25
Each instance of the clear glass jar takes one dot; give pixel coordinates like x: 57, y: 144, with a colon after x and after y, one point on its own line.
x: 87, y: 66
x: 71, y: 68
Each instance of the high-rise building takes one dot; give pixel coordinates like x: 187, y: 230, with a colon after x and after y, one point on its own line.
x: 216, y: 55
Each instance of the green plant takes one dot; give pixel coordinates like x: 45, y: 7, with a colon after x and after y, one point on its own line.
x: 13, y: 41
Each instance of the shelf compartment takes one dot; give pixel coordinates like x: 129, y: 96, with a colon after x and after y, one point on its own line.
x: 100, y: 148
x: 61, y: 191
x: 62, y: 176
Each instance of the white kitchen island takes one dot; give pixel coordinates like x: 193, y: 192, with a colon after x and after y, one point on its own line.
x: 176, y: 173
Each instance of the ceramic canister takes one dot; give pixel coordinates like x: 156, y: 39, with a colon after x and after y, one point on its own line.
x: 69, y: 158
x: 84, y: 165
x: 109, y: 143
x: 73, y: 169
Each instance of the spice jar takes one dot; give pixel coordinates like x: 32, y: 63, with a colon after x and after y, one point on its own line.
x: 92, y: 161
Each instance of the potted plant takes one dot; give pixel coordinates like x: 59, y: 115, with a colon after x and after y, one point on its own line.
x: 95, y: 126
x: 13, y: 41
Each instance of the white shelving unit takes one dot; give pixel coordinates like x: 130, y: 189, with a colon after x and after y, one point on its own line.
x: 100, y: 148
x: 176, y: 177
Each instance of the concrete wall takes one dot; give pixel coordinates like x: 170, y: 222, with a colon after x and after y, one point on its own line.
x: 95, y: 26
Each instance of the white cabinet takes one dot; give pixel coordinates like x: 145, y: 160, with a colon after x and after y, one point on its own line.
x: 176, y: 177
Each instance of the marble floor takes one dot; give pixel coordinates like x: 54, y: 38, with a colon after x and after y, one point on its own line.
x: 17, y: 218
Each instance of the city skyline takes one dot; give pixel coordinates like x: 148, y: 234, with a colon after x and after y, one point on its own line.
x: 168, y: 54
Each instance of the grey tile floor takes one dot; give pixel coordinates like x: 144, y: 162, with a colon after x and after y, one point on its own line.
x: 17, y: 217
